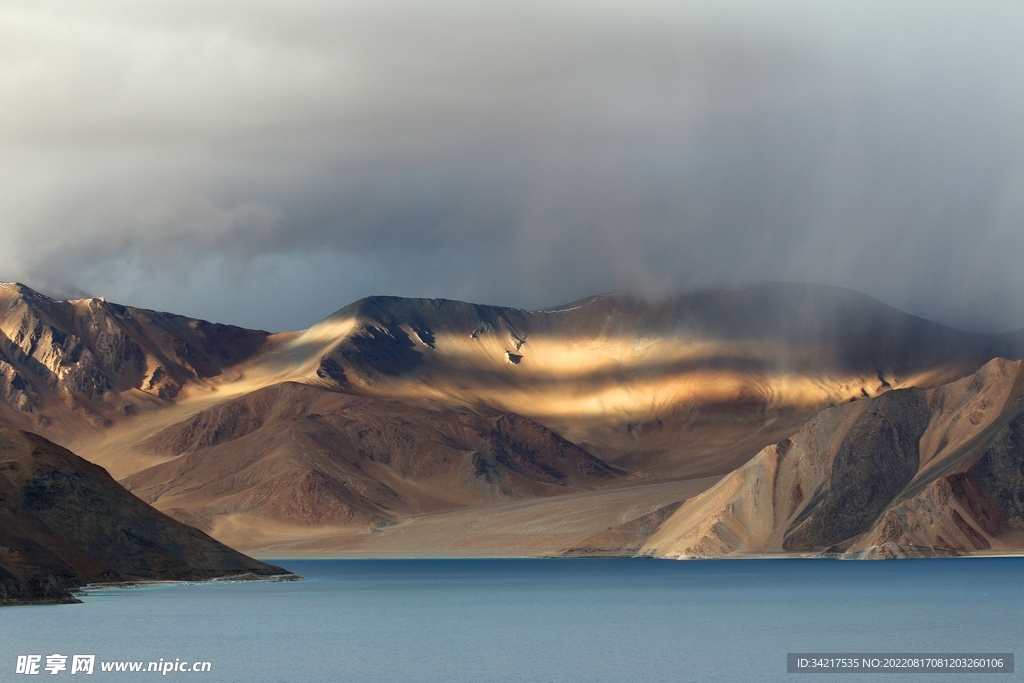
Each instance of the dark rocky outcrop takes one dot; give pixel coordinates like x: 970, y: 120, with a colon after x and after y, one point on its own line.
x: 65, y: 523
x: 876, y: 460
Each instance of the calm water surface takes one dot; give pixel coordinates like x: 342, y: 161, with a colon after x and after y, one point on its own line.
x: 538, y: 620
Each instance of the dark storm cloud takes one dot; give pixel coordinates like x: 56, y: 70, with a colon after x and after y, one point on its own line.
x: 268, y: 166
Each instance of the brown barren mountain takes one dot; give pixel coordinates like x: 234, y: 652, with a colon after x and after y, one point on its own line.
x: 306, y: 455
x: 69, y: 367
x: 65, y: 523
x: 392, y: 409
x: 911, y: 473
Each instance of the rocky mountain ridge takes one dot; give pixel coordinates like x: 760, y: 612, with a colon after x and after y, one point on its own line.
x: 396, y: 408
x: 631, y: 380
x: 63, y: 363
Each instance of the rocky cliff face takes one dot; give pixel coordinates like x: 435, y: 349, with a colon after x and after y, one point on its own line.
x: 910, y: 473
x: 65, y: 363
x: 65, y: 523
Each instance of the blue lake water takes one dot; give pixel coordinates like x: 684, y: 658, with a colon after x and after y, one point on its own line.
x: 568, y: 620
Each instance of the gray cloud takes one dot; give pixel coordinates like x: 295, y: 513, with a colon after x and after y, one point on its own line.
x: 268, y: 167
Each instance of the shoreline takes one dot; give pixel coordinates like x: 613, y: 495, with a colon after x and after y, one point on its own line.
x: 148, y: 583
x: 787, y: 556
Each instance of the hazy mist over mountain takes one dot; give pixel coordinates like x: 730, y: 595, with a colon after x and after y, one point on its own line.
x: 264, y: 166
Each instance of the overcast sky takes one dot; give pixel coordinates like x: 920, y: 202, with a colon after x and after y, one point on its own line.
x: 265, y: 163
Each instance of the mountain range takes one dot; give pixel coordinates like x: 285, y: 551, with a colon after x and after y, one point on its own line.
x: 714, y: 423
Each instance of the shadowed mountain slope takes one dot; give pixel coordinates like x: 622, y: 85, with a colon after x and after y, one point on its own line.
x: 299, y: 454
x: 65, y: 523
x: 910, y: 473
